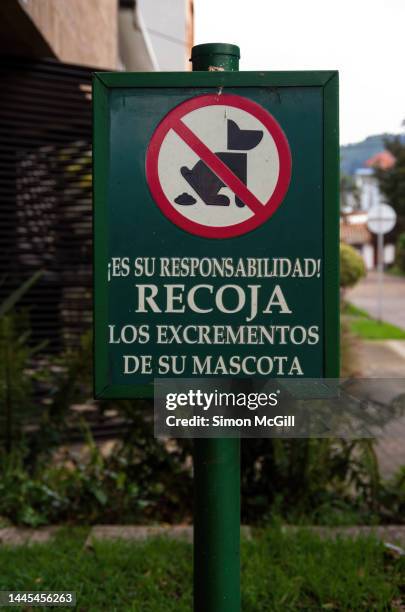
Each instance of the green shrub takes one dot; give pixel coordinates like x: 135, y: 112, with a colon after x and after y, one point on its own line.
x: 15, y: 385
x: 324, y: 481
x: 315, y: 481
x: 132, y: 484
x: 352, y: 266
x: 143, y: 479
x: 400, y: 255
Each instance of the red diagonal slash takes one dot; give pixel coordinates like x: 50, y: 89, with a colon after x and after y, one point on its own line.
x: 217, y: 166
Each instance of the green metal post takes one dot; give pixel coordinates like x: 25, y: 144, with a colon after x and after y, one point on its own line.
x: 216, y: 463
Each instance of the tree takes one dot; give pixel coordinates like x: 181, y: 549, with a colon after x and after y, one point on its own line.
x: 392, y: 180
x: 349, y: 193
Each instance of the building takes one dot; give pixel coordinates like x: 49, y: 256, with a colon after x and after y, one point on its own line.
x: 49, y: 50
x: 354, y: 231
x: 105, y: 34
x: 366, y: 181
x: 353, y: 224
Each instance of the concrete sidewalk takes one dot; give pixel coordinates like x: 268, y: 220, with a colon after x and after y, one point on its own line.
x: 381, y: 358
x: 365, y: 295
x: 17, y: 536
x: 385, y: 359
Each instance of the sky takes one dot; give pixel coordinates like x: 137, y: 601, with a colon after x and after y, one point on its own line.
x: 363, y: 39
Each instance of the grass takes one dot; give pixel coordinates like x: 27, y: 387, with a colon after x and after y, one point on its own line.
x: 395, y: 271
x: 364, y: 326
x: 280, y: 572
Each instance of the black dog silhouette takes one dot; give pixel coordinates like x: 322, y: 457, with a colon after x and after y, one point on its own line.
x: 206, y: 183
x: 242, y: 140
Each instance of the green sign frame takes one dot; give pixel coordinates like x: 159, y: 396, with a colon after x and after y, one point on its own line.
x: 103, y: 86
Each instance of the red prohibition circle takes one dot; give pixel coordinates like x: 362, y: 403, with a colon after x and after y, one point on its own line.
x: 172, y: 119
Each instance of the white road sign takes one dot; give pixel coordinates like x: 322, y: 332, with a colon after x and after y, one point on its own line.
x: 381, y: 219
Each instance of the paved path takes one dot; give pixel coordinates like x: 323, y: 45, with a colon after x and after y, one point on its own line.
x: 381, y: 359
x: 17, y: 536
x: 385, y: 359
x: 365, y: 295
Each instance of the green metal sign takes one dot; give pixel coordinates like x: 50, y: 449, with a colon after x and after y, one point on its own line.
x: 215, y: 227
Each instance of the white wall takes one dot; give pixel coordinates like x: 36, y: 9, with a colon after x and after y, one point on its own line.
x: 166, y: 22
x: 368, y: 256
x: 370, y: 194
